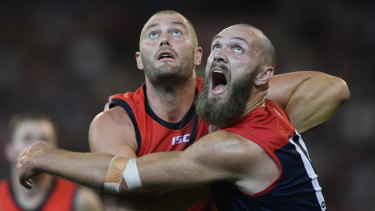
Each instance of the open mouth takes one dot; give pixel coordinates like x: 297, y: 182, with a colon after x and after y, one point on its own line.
x: 165, y: 55
x: 219, y: 82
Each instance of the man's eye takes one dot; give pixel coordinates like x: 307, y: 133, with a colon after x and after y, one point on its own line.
x: 238, y: 50
x: 216, y: 47
x: 153, y: 35
x: 176, y: 33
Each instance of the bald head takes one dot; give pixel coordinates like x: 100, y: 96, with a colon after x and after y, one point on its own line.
x: 184, y: 21
x: 258, y: 41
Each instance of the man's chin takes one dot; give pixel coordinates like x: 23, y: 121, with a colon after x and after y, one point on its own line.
x: 214, y: 99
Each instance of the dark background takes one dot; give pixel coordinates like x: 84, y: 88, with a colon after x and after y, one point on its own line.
x: 64, y: 58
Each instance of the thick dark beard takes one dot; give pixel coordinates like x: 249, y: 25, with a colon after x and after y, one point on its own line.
x: 228, y: 112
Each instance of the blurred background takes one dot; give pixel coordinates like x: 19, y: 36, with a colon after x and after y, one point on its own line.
x: 64, y: 58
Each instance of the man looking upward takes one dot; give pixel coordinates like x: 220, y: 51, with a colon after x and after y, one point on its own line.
x: 165, y: 104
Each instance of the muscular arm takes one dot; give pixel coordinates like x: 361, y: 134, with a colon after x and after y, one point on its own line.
x: 112, y: 132
x: 309, y: 97
x: 217, y: 156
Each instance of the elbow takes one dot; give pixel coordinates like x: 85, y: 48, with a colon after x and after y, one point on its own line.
x: 341, y: 89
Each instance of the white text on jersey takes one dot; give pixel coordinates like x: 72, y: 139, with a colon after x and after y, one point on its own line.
x: 180, y: 139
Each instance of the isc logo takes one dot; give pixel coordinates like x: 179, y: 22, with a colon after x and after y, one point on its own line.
x: 180, y: 139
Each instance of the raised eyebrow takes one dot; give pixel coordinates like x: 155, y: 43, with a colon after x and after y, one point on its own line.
x: 233, y: 38
x: 241, y: 39
x: 179, y: 24
x: 172, y: 23
x: 151, y: 26
x: 216, y: 37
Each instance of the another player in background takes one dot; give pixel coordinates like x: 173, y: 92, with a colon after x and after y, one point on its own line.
x: 50, y: 193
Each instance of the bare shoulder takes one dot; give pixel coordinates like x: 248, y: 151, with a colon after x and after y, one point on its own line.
x: 112, y: 116
x: 87, y: 199
x: 112, y: 132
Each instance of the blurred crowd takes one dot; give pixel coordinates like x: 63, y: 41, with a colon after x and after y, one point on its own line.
x: 64, y: 58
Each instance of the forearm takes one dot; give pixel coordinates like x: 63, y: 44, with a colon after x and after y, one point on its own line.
x: 165, y: 171
x: 212, y: 158
x: 88, y: 169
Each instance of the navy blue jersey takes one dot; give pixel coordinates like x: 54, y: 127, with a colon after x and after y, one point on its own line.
x: 297, y: 187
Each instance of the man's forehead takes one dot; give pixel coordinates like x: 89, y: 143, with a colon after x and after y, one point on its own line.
x: 234, y: 36
x: 162, y: 19
x: 240, y: 33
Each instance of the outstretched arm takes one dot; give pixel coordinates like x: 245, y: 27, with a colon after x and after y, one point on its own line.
x: 309, y: 97
x: 83, y: 168
x: 218, y: 156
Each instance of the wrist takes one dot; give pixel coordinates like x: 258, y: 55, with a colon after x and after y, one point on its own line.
x: 46, y: 156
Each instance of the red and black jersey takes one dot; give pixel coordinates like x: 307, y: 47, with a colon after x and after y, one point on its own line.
x: 154, y: 134
x: 297, y: 187
x: 60, y: 197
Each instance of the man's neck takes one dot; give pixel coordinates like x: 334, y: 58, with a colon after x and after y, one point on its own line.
x: 256, y: 100
x: 171, y: 102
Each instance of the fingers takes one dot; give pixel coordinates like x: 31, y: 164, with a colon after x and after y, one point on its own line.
x: 24, y: 165
x: 21, y: 170
x: 110, y: 98
x: 212, y: 128
x: 106, y: 106
x: 27, y: 183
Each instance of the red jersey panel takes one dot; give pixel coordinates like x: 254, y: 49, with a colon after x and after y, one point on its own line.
x: 60, y: 197
x: 154, y: 134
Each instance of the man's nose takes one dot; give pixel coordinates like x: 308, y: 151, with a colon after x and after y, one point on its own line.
x: 220, y: 56
x: 164, y: 39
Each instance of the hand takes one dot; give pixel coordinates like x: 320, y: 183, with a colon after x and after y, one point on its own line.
x: 106, y: 106
x: 27, y: 162
x: 212, y: 128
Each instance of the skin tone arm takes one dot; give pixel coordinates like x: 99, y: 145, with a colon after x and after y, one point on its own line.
x: 217, y: 156
x: 112, y: 132
x: 309, y: 97
x: 97, y: 159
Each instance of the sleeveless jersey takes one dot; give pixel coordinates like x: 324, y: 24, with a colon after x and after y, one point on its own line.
x: 297, y: 187
x: 59, y: 198
x: 156, y: 135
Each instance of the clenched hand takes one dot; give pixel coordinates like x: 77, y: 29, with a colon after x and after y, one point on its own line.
x: 27, y: 162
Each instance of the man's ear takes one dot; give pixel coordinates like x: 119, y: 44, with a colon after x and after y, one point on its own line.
x: 264, y: 75
x: 138, y: 58
x: 198, y: 56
